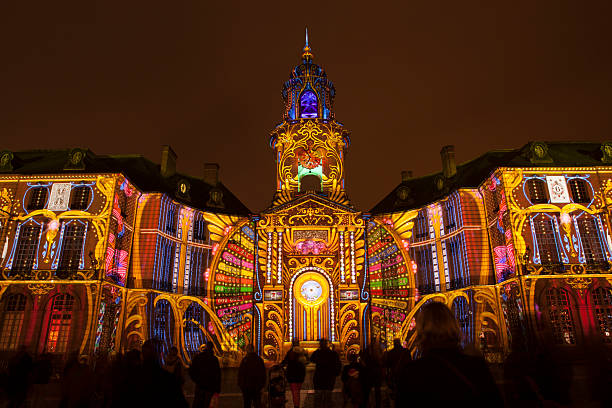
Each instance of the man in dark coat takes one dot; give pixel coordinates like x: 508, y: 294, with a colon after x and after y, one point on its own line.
x: 326, y: 370
x: 206, y: 374
x: 251, y: 378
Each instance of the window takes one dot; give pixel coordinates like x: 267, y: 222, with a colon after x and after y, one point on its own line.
x: 309, y: 105
x: 455, y: 262
x: 589, y: 237
x: 537, y: 191
x: 38, y: 198
x: 579, y: 190
x: 462, y: 314
x: 80, y: 198
x: 560, y: 316
x: 200, y: 230
x: 60, y: 319
x: 421, y: 227
x: 171, y: 220
x: 422, y: 255
x: 162, y: 321
x: 72, y: 245
x: 14, y: 310
x: 602, y: 303
x: 512, y: 315
x: 165, y: 265
x: 492, y: 203
x: 545, y: 236
x: 26, y: 248
x: 450, y: 217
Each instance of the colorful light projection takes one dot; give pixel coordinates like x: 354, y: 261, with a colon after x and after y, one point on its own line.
x: 58, y: 242
x: 232, y: 282
x: 116, y: 261
x: 568, y: 231
x: 389, y: 275
x: 309, y: 106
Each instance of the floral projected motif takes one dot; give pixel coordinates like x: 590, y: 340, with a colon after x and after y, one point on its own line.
x: 310, y: 247
x: 308, y: 105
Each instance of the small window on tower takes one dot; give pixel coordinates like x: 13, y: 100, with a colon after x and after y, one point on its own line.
x: 310, y: 182
x: 308, y: 105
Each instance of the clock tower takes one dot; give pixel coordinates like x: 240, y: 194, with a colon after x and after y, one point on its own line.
x: 311, y: 243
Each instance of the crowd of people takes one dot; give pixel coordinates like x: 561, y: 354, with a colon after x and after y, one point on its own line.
x: 442, y: 374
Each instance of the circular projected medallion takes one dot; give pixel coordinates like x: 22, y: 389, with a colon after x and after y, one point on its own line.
x: 311, y: 289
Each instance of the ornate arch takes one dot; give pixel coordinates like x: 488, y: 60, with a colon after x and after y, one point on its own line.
x: 299, y: 272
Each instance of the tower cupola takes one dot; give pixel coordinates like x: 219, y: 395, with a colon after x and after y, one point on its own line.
x: 308, y: 94
x: 309, y: 143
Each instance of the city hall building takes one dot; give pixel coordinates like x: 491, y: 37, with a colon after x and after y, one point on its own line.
x: 100, y: 253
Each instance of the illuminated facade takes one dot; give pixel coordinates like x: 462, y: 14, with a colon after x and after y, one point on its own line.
x: 100, y: 253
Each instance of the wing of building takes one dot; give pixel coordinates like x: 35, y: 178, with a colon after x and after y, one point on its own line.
x: 100, y: 253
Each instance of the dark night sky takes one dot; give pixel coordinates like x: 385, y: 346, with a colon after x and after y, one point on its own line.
x: 126, y: 77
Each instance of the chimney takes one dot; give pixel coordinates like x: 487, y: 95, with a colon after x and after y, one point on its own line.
x: 168, y: 161
x: 211, y: 173
x: 449, y: 169
x: 406, y: 175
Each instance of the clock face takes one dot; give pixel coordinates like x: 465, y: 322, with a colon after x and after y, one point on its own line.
x: 311, y: 290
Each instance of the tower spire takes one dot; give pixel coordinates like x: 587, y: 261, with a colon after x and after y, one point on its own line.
x: 307, y: 55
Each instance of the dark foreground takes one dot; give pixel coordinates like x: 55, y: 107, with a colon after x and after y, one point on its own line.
x: 48, y: 395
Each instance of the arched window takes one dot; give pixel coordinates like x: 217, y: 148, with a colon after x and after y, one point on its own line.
x: 194, y: 337
x: 560, y: 316
x: 72, y: 248
x: 310, y: 182
x: 602, y: 305
x: 309, y: 105
x: 546, y: 239
x: 589, y: 237
x: 60, y: 320
x: 463, y: 315
x: 536, y: 189
x: 12, y: 322
x: 579, y: 190
x: 27, y: 245
x: 80, y: 198
x: 38, y: 198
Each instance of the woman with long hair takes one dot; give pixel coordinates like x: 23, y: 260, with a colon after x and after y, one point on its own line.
x: 444, y: 374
